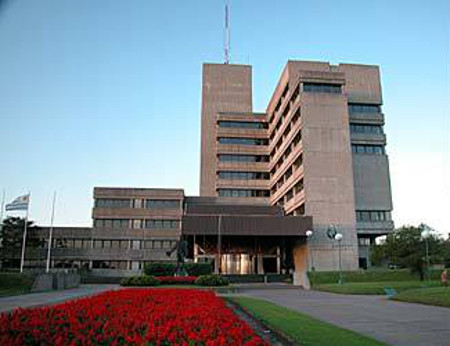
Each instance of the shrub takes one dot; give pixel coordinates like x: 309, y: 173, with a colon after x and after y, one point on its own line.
x: 211, y: 280
x: 16, y: 281
x: 144, y: 280
x: 177, y: 280
x: 169, y: 269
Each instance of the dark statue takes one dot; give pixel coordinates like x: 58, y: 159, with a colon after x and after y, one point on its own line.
x: 181, y: 247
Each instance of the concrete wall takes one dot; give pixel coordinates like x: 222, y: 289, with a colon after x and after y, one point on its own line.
x: 225, y: 88
x: 55, y: 281
x: 372, y: 182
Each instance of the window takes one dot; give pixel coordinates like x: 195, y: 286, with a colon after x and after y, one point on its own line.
x: 373, y: 215
x: 243, y: 141
x: 357, y: 128
x: 136, y: 244
x: 368, y: 149
x: 243, y: 193
x: 322, y: 88
x: 111, y: 223
x: 163, y: 204
x: 138, y: 203
x: 243, y: 124
x: 243, y: 158
x: 364, y: 241
x: 161, y: 224
x: 137, y: 224
x: 112, y: 203
x: 299, y: 186
x: 300, y: 210
x: 363, y: 108
x: 243, y: 175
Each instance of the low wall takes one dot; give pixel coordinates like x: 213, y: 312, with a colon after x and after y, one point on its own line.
x: 55, y: 281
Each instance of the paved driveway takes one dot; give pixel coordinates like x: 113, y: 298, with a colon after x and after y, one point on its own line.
x: 393, y: 322
x: 45, y: 298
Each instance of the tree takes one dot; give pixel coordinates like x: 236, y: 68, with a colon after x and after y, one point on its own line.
x: 406, y: 248
x: 11, y: 234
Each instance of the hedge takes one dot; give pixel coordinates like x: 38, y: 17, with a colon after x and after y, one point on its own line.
x: 251, y: 278
x: 169, y: 269
x: 16, y: 281
x: 143, y: 280
x: 211, y: 280
x: 381, y: 275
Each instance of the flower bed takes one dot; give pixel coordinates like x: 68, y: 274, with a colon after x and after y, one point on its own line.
x: 176, y: 280
x: 130, y: 316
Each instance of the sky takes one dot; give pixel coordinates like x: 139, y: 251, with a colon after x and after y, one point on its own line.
x: 107, y: 92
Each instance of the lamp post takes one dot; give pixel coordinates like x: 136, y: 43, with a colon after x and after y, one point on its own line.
x: 425, y: 234
x: 309, y: 234
x: 338, y: 237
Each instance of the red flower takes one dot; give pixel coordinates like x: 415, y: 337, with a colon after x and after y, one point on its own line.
x: 130, y: 317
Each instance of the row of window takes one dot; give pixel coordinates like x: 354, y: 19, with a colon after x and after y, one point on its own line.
x: 121, y: 265
x: 357, y: 128
x: 68, y: 243
x: 363, y: 108
x: 137, y: 224
x: 368, y: 149
x: 292, y: 123
x: 298, y: 211
x: 363, y: 241
x: 137, y: 203
x: 283, y: 178
x: 112, y: 203
x: 373, y: 215
x: 163, y: 204
x: 243, y: 141
x: 322, y: 88
x: 243, y: 124
x: 243, y: 158
x: 243, y: 193
x: 244, y: 175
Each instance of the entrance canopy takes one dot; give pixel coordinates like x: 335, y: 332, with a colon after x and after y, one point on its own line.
x: 245, y: 225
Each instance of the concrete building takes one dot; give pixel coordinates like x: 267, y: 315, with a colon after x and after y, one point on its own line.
x: 315, y: 159
x: 318, y: 150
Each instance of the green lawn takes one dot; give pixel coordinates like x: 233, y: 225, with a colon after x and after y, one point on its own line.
x: 376, y: 288
x: 12, y: 284
x: 439, y: 296
x: 301, y: 328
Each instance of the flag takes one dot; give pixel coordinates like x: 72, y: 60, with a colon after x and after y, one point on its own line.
x: 20, y: 203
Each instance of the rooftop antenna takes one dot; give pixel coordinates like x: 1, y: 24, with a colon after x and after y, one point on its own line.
x: 227, y: 35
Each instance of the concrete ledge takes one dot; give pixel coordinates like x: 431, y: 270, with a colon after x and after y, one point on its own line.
x: 55, y: 281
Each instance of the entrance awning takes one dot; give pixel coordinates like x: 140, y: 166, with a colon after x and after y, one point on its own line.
x: 245, y: 225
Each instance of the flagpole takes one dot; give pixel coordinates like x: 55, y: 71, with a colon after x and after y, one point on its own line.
x: 3, y: 206
x: 22, y: 259
x: 50, y: 233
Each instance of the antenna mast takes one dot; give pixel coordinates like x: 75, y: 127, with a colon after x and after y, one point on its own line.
x: 227, y: 35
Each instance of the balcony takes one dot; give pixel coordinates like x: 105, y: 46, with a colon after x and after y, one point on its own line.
x: 375, y: 227
x: 367, y: 118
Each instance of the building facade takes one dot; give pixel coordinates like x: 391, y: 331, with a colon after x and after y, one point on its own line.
x: 315, y: 159
x: 318, y: 150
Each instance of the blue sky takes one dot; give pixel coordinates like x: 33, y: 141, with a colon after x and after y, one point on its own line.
x: 107, y: 93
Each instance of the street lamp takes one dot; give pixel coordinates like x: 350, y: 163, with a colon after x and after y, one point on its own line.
x: 425, y: 234
x: 338, y: 237
x: 309, y: 234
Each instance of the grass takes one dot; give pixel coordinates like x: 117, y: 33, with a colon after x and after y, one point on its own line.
x: 299, y: 327
x: 374, y: 288
x: 14, y: 284
x: 371, y: 275
x: 438, y: 296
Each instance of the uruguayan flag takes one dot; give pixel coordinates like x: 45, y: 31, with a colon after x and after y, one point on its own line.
x: 20, y: 203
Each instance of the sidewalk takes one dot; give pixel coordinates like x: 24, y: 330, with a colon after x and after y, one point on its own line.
x: 52, y: 297
x: 396, y: 323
